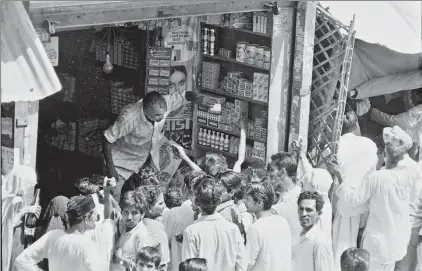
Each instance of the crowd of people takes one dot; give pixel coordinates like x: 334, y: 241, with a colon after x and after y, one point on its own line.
x: 362, y: 211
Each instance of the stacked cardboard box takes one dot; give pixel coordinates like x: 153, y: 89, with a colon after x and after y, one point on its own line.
x: 210, y: 75
x: 260, y: 87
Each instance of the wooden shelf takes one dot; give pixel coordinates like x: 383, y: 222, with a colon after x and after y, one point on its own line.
x: 228, y: 94
x: 241, y: 30
x: 208, y: 149
x: 228, y: 132
x: 235, y: 62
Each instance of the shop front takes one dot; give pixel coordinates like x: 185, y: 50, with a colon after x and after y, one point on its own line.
x: 252, y: 61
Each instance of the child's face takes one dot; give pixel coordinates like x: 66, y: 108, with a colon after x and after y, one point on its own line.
x: 131, y: 216
x: 146, y: 266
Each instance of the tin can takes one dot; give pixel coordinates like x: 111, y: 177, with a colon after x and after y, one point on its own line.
x: 212, y: 49
x: 259, y: 56
x: 205, y: 34
x: 205, y: 46
x: 267, y: 58
x: 250, y: 53
x: 241, y: 51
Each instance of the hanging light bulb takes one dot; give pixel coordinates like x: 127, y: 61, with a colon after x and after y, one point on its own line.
x: 108, y: 67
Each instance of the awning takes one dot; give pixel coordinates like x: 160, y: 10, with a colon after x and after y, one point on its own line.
x: 26, y: 71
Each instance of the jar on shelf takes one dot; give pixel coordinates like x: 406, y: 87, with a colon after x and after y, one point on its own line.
x: 250, y: 53
x: 241, y: 51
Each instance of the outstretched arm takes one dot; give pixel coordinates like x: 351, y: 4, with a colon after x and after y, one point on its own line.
x: 185, y: 157
x: 242, y: 147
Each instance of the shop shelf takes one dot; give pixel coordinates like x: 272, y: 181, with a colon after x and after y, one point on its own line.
x: 208, y: 149
x: 230, y: 60
x: 228, y: 94
x: 241, y: 30
x: 228, y: 132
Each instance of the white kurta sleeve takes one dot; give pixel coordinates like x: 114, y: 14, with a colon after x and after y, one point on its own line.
x: 189, y: 249
x: 35, y: 253
x: 357, y: 194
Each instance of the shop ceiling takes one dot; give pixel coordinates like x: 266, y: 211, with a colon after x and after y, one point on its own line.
x: 71, y: 15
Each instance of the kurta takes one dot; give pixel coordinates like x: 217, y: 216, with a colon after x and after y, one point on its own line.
x: 354, y: 166
x: 175, y: 222
x: 387, y: 231
x: 65, y: 252
x: 269, y: 245
x: 156, y: 229
x: 287, y: 208
x: 313, y: 252
x: 218, y: 241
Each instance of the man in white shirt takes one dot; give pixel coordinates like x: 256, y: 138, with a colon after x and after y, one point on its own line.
x: 313, y: 252
x: 212, y: 237
x: 77, y: 248
x: 137, y: 133
x: 357, y: 157
x: 268, y: 244
x: 387, y: 191
x: 284, y: 165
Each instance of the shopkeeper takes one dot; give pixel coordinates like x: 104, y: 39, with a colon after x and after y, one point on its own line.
x: 138, y: 133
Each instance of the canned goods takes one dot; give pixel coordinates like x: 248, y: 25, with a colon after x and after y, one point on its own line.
x: 212, y: 35
x: 250, y: 53
x: 205, y: 47
x: 241, y: 51
x: 205, y: 35
x: 267, y: 58
x: 259, y: 56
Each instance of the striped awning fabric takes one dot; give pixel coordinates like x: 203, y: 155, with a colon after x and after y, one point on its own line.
x: 26, y: 71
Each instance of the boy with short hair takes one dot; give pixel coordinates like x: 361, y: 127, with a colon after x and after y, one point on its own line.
x: 264, y: 250
x: 149, y: 259
x: 212, y: 237
x: 355, y: 259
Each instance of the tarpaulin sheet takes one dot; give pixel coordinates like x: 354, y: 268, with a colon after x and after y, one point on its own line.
x: 26, y: 71
x: 378, y: 70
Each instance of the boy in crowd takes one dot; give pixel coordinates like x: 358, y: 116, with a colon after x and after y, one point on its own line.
x: 149, y: 259
x: 212, y: 237
x: 355, y: 259
x: 264, y: 250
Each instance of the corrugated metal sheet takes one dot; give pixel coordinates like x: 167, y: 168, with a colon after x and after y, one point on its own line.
x: 26, y: 71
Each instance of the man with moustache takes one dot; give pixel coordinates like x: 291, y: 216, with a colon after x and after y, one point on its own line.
x: 313, y: 252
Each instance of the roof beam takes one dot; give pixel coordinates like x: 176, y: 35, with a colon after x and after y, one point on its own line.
x: 82, y: 16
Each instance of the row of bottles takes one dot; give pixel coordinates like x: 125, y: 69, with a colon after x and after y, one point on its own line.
x: 218, y: 141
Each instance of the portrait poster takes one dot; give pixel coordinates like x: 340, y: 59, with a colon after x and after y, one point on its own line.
x: 182, y: 35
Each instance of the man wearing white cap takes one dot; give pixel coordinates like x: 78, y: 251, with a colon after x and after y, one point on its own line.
x: 74, y: 249
x: 387, y: 191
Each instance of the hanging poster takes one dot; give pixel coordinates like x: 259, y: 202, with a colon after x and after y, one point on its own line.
x: 181, y: 35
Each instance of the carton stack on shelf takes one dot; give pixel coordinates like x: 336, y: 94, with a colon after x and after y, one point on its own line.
x: 210, y: 75
x: 260, y: 86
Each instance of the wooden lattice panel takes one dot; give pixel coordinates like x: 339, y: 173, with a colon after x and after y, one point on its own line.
x: 333, y: 51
